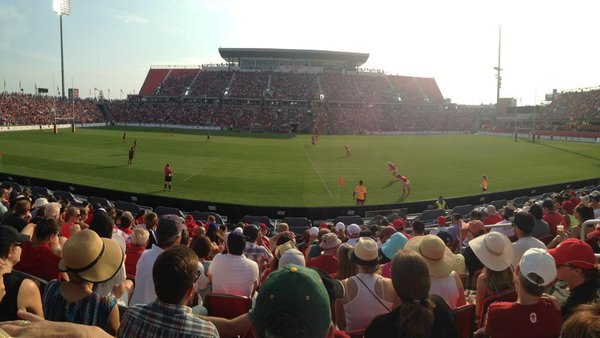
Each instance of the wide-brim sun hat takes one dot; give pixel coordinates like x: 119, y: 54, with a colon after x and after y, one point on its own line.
x: 438, y: 256
x: 90, y: 257
x: 494, y: 250
x: 365, y: 252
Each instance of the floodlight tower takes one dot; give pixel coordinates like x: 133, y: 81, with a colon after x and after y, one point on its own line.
x: 62, y: 7
x: 498, y: 72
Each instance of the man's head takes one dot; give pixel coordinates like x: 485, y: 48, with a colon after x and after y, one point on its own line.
x: 151, y: 220
x: 456, y: 218
x: 537, y: 270
x: 547, y: 206
x: 304, y: 313
x: 102, y: 224
x: 385, y: 233
x: 251, y: 232
x: 22, y: 207
x: 169, y: 231
x: 536, y: 211
x: 45, y: 229
x: 73, y: 215
x: 524, y: 223
x: 236, y: 243
x: 52, y: 210
x: 476, y: 215
x: 418, y: 228
x: 174, y: 274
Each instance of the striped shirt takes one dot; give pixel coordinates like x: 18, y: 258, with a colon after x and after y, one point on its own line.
x: 258, y: 253
x: 91, y: 310
x: 159, y: 319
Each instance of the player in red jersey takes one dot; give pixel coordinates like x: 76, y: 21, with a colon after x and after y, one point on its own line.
x: 168, y: 177
x: 393, y: 168
x: 405, y: 184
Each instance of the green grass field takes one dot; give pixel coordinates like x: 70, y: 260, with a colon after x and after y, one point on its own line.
x: 285, y: 170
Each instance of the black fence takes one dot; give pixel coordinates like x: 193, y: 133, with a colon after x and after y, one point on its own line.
x: 236, y: 211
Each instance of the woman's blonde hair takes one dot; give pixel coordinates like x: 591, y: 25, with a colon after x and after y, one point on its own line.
x: 346, y: 268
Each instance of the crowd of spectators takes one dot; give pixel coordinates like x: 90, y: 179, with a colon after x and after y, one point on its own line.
x: 380, y: 279
x: 24, y: 109
x: 332, y: 87
x: 333, y: 118
x: 290, y: 86
x: 177, y: 82
x: 576, y: 111
x: 248, y: 84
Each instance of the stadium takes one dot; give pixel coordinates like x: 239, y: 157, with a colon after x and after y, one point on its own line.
x: 293, y: 150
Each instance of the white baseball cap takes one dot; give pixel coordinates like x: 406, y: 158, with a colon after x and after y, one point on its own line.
x: 314, y: 231
x: 540, y: 262
x: 353, y: 230
x: 340, y: 226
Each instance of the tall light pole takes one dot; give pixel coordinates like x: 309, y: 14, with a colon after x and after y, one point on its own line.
x: 62, y: 7
x: 498, y: 71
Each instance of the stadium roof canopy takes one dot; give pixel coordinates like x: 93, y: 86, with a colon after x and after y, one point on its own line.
x: 353, y: 60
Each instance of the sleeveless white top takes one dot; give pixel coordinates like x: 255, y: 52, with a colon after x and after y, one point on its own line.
x: 446, y: 288
x: 361, y: 310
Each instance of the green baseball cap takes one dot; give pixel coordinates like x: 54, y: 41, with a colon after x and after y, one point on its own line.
x: 297, y: 291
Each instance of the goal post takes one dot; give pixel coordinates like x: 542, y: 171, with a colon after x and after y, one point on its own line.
x: 524, y: 134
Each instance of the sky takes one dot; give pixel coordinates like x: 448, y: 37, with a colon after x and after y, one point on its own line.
x: 111, y: 44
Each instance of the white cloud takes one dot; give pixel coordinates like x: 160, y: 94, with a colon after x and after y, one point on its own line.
x: 130, y: 18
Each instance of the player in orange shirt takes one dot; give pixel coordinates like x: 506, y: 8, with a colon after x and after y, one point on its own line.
x: 484, y: 183
x: 360, y: 194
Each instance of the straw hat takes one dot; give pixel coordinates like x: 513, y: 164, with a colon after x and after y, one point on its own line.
x: 437, y: 255
x: 494, y: 250
x: 365, y: 252
x: 280, y: 249
x: 92, y: 258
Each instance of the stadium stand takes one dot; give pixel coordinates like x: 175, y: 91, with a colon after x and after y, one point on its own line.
x: 18, y: 109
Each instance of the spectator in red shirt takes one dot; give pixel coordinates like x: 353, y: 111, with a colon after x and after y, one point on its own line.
x: 530, y: 315
x: 263, y: 234
x: 40, y: 257
x: 492, y: 216
x: 135, y: 248
x: 552, y: 217
x: 191, y: 225
x: 71, y: 225
x: 327, y: 261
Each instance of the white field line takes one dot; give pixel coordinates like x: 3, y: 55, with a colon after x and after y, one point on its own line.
x: 317, y: 171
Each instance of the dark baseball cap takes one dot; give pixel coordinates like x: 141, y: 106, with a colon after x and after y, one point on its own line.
x: 10, y: 235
